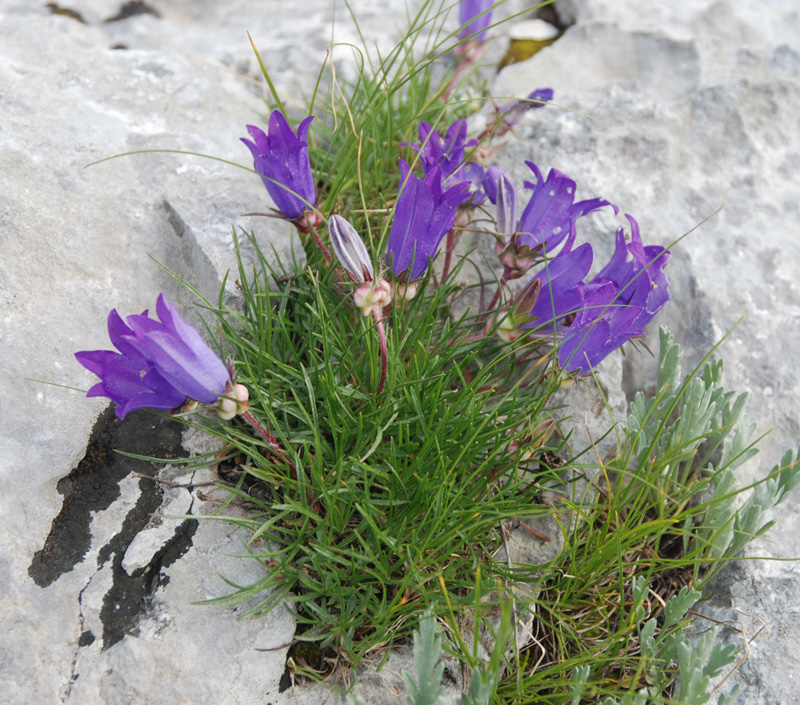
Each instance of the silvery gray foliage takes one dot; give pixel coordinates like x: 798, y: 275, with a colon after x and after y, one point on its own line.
x: 693, y: 422
x: 705, y: 415
x: 697, y: 662
x: 427, y: 688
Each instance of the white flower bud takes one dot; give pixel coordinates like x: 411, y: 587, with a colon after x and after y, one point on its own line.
x: 350, y: 249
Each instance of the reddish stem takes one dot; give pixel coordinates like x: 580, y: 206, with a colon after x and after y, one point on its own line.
x: 448, y: 252
x: 384, y: 349
x: 537, y: 534
x: 320, y: 244
x: 270, y: 440
x: 503, y: 280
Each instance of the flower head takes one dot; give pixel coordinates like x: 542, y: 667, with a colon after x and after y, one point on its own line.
x: 160, y: 364
x: 474, y: 18
x: 447, y: 154
x: 425, y: 211
x: 282, y: 160
x: 546, y: 220
x: 638, y: 273
x: 604, y: 323
x: 591, y: 319
x: 510, y: 114
x: 618, y: 303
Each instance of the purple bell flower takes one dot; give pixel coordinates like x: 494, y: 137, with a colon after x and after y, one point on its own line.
x: 513, y: 112
x: 447, y: 154
x: 591, y: 320
x: 282, y: 160
x: 424, y: 213
x: 469, y: 20
x: 638, y: 273
x: 160, y: 364
x: 546, y: 220
x: 603, y: 325
x: 562, y: 291
x: 618, y: 303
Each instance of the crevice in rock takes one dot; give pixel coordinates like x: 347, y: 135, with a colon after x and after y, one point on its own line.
x: 85, y: 639
x: 550, y: 14
x: 56, y: 9
x: 173, y: 218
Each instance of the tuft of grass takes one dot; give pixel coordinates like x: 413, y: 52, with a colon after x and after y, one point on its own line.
x: 374, y: 500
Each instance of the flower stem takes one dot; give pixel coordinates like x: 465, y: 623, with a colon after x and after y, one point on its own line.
x: 384, y: 351
x: 271, y: 441
x: 448, y: 252
x: 320, y: 244
x: 503, y: 280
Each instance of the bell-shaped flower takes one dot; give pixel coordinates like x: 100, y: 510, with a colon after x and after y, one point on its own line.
x: 475, y: 17
x: 448, y: 154
x: 510, y: 114
x: 424, y: 213
x: 281, y: 158
x: 350, y: 249
x: 545, y: 222
x: 161, y: 364
x: 604, y: 323
x: 618, y: 303
x: 562, y: 289
x: 638, y: 273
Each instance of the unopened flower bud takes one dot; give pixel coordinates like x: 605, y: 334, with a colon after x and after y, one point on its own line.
x: 517, y: 314
x: 463, y: 217
x: 234, y: 402
x: 350, y: 249
x: 506, y: 207
x: 506, y: 329
x: 405, y: 291
x: 371, y: 297
x: 309, y: 219
x: 525, y: 300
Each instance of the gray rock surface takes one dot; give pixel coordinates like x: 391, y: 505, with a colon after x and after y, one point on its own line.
x: 673, y: 110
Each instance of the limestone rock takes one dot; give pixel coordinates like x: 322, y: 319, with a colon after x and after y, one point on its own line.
x: 673, y: 111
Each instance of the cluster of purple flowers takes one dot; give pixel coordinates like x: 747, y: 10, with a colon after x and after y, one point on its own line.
x: 590, y: 319
x: 585, y: 319
x: 165, y: 364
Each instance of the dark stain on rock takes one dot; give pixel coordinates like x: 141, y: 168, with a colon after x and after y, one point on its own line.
x: 132, y: 9
x: 56, y: 9
x: 89, y: 487
x: 86, y: 638
x: 92, y: 487
x: 127, y: 600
